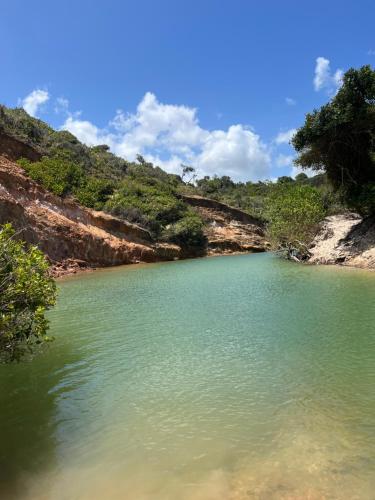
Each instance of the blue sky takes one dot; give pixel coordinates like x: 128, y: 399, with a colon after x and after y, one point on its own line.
x: 212, y: 83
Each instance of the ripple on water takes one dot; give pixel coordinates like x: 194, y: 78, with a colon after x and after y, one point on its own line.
x: 230, y: 378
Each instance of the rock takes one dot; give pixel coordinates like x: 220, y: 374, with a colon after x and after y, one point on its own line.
x: 71, y: 236
x: 228, y: 229
x: 345, y: 239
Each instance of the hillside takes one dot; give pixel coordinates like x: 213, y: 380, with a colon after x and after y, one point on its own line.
x: 86, y: 207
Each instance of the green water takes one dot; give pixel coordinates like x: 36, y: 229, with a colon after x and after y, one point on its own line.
x: 241, y: 377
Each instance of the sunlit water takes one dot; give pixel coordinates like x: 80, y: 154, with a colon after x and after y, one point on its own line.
x: 241, y: 377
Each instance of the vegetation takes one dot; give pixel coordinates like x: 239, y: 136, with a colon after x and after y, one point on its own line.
x: 187, y: 231
x: 339, y: 139
x: 26, y: 291
x: 148, y: 201
x: 62, y: 176
x: 146, y: 195
x: 293, y: 212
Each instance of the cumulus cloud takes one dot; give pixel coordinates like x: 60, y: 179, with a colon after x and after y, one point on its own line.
x: 285, y: 137
x: 237, y: 152
x: 32, y: 102
x: 290, y: 101
x: 87, y: 132
x: 324, y: 79
x: 170, y: 134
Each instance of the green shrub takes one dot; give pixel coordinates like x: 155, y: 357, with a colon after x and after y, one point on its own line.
x: 293, y: 212
x: 94, y: 193
x: 57, y: 174
x: 26, y: 291
x: 154, y: 202
x: 363, y: 200
x: 187, y: 232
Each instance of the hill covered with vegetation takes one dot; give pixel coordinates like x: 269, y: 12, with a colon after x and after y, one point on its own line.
x: 336, y: 140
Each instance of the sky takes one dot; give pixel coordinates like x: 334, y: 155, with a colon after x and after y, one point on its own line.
x: 219, y: 85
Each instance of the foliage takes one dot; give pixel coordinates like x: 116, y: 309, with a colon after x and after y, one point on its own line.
x: 146, y: 200
x: 247, y: 196
x: 301, y: 178
x: 26, y: 291
x: 284, y: 179
x: 94, y: 192
x: 339, y: 139
x: 57, y: 174
x: 293, y: 212
x: 187, y: 232
x: 142, y: 192
x: 95, y: 161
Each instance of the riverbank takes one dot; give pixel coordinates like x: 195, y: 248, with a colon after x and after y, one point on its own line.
x: 346, y: 240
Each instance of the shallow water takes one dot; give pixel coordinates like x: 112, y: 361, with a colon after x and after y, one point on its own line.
x: 241, y: 377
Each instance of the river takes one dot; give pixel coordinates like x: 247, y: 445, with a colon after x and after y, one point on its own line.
x: 241, y: 377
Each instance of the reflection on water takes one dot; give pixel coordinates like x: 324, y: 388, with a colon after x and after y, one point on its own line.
x: 229, y: 378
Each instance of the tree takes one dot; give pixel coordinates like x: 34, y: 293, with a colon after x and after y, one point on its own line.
x: 301, y: 178
x: 186, y: 169
x: 26, y: 291
x: 339, y: 139
x: 293, y: 212
x: 285, y: 179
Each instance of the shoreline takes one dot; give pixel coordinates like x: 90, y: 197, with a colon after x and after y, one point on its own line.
x: 78, y: 270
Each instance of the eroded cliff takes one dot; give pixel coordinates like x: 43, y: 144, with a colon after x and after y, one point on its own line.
x: 228, y: 229
x: 72, y: 236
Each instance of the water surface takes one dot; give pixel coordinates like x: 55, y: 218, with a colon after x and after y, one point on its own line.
x: 241, y: 377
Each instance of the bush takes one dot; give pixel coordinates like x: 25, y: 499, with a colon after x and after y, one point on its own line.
x: 57, y: 174
x: 364, y: 199
x: 154, y: 202
x: 187, y: 232
x: 26, y: 291
x: 293, y: 212
x: 94, y: 193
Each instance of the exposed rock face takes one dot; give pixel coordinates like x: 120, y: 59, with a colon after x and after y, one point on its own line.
x: 228, y: 229
x: 218, y: 206
x: 74, y: 237
x: 67, y: 232
x: 345, y: 239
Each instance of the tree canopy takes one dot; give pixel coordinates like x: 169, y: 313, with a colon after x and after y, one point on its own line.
x: 339, y: 138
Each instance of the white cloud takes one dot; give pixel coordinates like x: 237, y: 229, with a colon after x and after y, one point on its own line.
x: 290, y: 101
x: 284, y: 160
x: 285, y: 137
x: 237, y: 152
x: 324, y: 79
x: 169, y: 135
x: 371, y: 52
x: 87, y: 132
x: 34, y: 100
